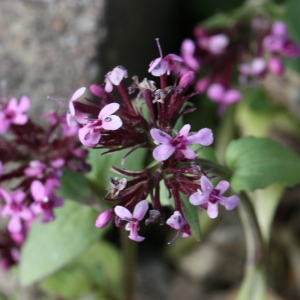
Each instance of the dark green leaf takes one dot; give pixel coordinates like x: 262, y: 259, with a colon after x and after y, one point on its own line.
x: 192, y: 216
x: 259, y: 162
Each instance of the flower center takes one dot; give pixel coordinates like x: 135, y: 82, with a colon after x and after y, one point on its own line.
x: 214, y: 196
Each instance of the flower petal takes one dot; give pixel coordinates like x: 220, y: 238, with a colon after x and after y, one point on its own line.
x: 188, y: 153
x: 203, y: 137
x: 78, y: 93
x: 158, y: 67
x: 20, y: 119
x: 206, y: 185
x: 24, y: 104
x: 140, y: 210
x: 37, y: 190
x: 111, y: 122
x: 198, y: 198
x: 14, y: 224
x: 117, y: 75
x: 108, y: 110
x: 87, y: 137
x: 230, y: 202
x: 135, y: 237
x: 222, y: 186
x: 160, y: 136
x: 185, y: 130
x: 212, y: 210
x: 163, y: 152
x: 123, y: 213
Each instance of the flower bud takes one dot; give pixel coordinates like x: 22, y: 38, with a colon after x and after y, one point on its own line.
x: 231, y: 96
x: 104, y: 218
x: 276, y: 65
x: 216, y: 92
x: 202, y: 84
x: 187, y: 79
x: 217, y: 43
x: 279, y: 28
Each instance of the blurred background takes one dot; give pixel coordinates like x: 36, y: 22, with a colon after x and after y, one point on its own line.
x: 51, y: 48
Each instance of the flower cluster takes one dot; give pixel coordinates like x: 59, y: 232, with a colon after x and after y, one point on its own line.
x: 112, y: 125
x: 31, y: 167
x: 247, y: 50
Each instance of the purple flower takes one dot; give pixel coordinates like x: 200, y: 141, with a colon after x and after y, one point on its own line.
x: 177, y: 222
x: 209, y: 197
x: 179, y: 143
x: 15, y: 209
x: 134, y: 219
x: 90, y: 134
x: 13, y: 113
x: 45, y: 200
x: 114, y: 77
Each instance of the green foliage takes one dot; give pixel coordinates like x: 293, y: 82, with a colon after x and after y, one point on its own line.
x: 53, y: 245
x: 265, y: 203
x: 74, y: 185
x: 95, y: 273
x: 259, y: 162
x: 192, y: 216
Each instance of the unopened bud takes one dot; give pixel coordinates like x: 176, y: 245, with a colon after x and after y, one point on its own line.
x: 276, y: 65
x: 104, y: 218
x: 187, y: 79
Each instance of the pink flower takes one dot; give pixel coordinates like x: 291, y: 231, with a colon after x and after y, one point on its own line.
x: 45, y: 200
x: 188, y: 49
x: 255, y: 68
x: 15, y: 209
x: 134, y: 219
x: 114, y: 77
x: 276, y: 65
x: 90, y: 134
x: 161, y: 66
x: 209, y: 197
x: 179, y: 143
x: 13, y: 113
x: 217, y: 93
x: 177, y: 222
x: 215, y: 44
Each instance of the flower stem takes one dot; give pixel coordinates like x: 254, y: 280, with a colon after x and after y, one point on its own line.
x: 129, y: 252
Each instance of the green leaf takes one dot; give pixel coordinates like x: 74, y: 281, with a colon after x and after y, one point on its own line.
x: 192, y: 216
x: 98, y: 266
x: 265, y: 203
x: 254, y: 285
x: 71, y: 189
x: 259, y: 162
x: 50, y: 246
x: 101, y: 164
x: 103, y: 262
x: 71, y: 282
